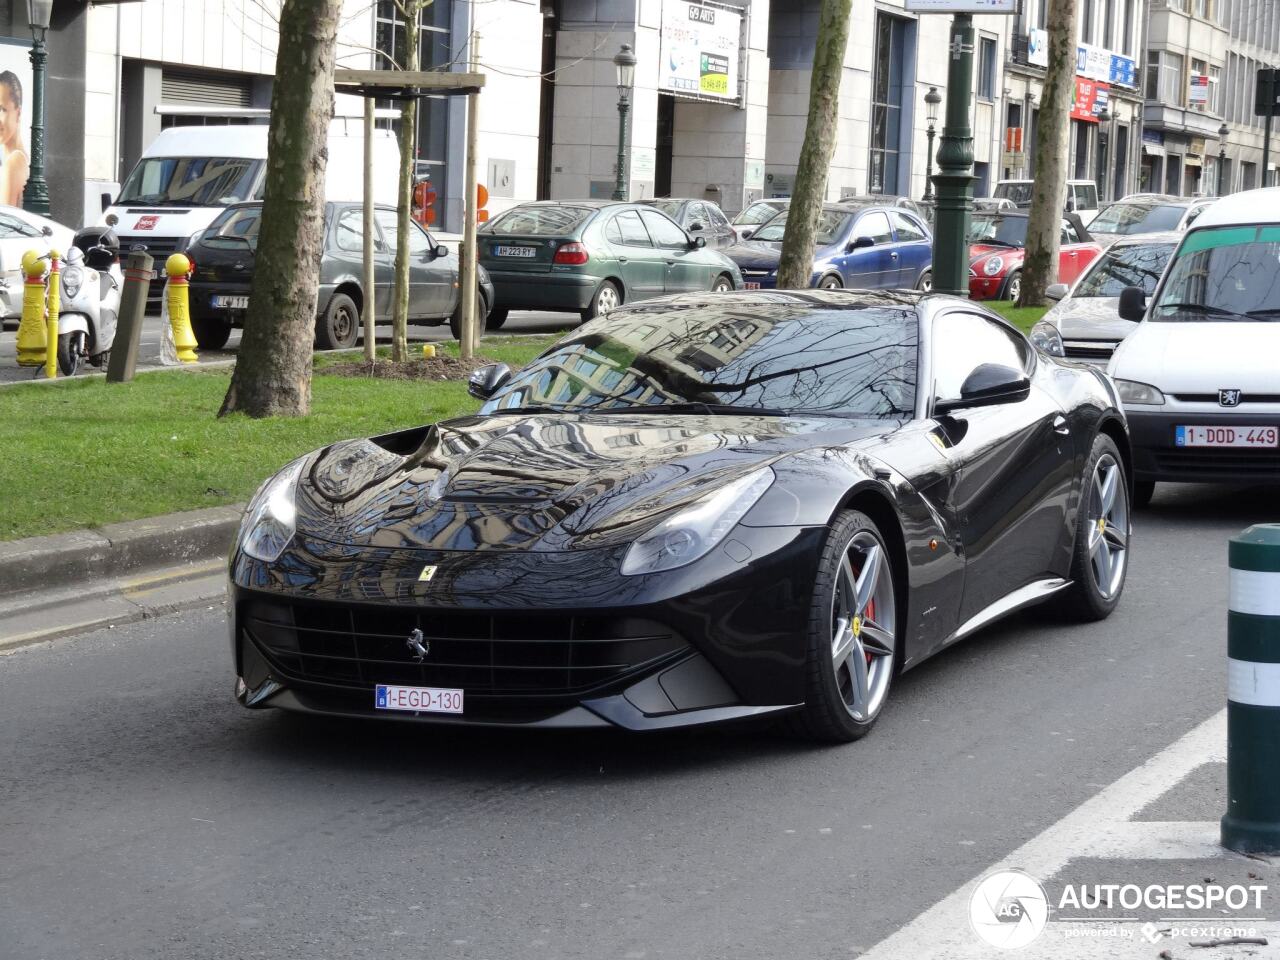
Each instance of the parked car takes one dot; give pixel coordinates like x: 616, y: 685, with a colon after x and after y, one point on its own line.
x: 858, y: 245
x: 706, y: 508
x: 1198, y: 377
x: 1085, y: 323
x: 224, y: 259
x: 756, y: 214
x: 1082, y: 196
x: 998, y: 244
x: 886, y: 200
x: 21, y: 231
x: 1147, y: 213
x: 589, y: 256
x: 700, y: 218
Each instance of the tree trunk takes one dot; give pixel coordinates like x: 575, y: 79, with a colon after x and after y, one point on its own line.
x: 796, y: 267
x: 273, y: 370
x: 1044, y: 224
x: 408, y: 156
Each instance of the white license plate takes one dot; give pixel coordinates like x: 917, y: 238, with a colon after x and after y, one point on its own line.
x: 230, y: 303
x: 417, y: 699
x: 501, y: 251
x: 750, y: 285
x: 1242, y: 436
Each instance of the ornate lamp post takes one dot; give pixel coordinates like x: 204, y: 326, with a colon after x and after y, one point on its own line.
x: 931, y: 101
x: 1222, y: 155
x: 35, y: 196
x: 1104, y: 129
x: 625, y: 65
x: 955, y: 168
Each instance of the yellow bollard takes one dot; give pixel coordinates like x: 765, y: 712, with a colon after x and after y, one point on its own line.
x: 32, y: 335
x: 178, y: 268
x: 428, y: 350
x: 55, y: 292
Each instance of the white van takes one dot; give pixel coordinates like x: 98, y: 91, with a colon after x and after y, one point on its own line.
x: 188, y: 175
x: 1082, y: 196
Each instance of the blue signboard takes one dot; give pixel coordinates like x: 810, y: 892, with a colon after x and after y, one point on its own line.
x: 1124, y: 70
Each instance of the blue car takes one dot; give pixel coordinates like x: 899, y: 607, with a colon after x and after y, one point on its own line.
x: 860, y: 246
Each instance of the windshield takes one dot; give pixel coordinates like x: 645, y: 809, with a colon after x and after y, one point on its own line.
x: 537, y: 221
x: 1006, y: 231
x: 1017, y: 192
x: 1136, y: 266
x: 1126, y: 218
x: 776, y: 354
x: 758, y: 212
x: 670, y: 207
x: 191, y: 181
x: 1223, y: 274
x: 233, y: 228
x: 831, y: 227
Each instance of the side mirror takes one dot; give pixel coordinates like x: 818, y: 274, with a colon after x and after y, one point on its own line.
x: 106, y: 201
x: 1055, y: 291
x: 746, y: 234
x: 697, y: 242
x: 1133, y: 304
x: 439, y: 251
x: 47, y: 230
x: 860, y: 243
x: 989, y: 384
x: 484, y: 382
x: 696, y: 226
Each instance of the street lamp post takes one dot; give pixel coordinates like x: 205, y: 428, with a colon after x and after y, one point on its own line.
x: 931, y: 101
x: 954, y: 179
x: 1222, y: 154
x: 625, y: 65
x: 35, y: 196
x: 1104, y: 121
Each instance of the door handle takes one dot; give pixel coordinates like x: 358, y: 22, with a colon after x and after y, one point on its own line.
x: 1060, y: 425
x: 671, y: 263
x: 622, y: 259
x: 893, y: 255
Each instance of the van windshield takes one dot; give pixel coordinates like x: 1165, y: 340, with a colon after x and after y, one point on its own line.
x: 1223, y: 274
x: 191, y: 181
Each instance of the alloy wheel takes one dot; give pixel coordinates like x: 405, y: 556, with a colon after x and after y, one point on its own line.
x: 1108, y: 526
x: 864, y: 620
x: 1015, y: 288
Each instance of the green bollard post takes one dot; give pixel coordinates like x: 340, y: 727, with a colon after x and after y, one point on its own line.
x: 1252, y: 822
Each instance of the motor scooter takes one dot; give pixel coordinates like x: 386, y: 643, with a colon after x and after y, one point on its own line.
x: 91, y: 282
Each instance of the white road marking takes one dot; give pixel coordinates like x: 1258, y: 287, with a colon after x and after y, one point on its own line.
x: 1099, y: 827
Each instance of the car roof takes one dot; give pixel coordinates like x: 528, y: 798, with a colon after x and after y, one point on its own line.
x: 839, y: 299
x: 1163, y: 199
x: 1247, y: 207
x: 1139, y: 239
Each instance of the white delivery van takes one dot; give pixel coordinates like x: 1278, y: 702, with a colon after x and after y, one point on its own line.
x: 188, y: 175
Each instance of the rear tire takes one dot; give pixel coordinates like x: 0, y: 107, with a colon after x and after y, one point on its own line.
x: 70, y: 352
x: 926, y: 281
x: 211, y: 332
x: 851, y: 633
x: 608, y: 297
x: 339, y: 326
x: 1143, y: 491
x: 497, y: 317
x: 1096, y: 581
x: 830, y: 282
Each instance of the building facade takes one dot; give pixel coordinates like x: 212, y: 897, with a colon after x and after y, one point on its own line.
x: 1253, y: 32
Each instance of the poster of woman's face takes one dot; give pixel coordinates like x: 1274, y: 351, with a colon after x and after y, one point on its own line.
x: 15, y: 123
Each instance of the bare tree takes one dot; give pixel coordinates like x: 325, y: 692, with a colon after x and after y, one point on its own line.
x: 796, y: 266
x: 1044, y: 223
x: 273, y: 371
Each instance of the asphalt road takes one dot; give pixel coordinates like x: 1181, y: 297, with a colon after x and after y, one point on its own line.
x: 519, y: 322
x: 144, y: 815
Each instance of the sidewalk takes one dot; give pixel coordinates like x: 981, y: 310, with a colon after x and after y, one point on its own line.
x: 54, y: 586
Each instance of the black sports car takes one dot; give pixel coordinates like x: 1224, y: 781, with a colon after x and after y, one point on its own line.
x: 695, y: 509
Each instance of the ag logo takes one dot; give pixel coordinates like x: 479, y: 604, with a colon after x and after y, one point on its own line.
x: 1008, y: 909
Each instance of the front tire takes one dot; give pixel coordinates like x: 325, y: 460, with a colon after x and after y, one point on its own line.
x: 926, y: 281
x: 339, y: 325
x: 455, y: 318
x: 211, y: 332
x: 1104, y: 527
x: 830, y: 282
x: 851, y: 633
x: 608, y: 297
x: 1013, y: 289
x: 70, y: 352
x: 723, y: 284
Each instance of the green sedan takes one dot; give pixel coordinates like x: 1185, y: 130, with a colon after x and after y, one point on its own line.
x: 589, y: 256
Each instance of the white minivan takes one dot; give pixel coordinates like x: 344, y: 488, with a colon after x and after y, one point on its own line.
x: 190, y: 174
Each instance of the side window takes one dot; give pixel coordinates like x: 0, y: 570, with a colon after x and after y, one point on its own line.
x: 1089, y: 196
x: 1069, y: 234
x: 19, y: 228
x: 387, y: 224
x: 633, y: 232
x: 907, y: 228
x: 664, y: 232
x: 613, y: 232
x: 963, y: 341
x: 348, y: 235
x: 698, y: 214
x: 419, y: 242
x: 717, y: 216
x: 874, y: 225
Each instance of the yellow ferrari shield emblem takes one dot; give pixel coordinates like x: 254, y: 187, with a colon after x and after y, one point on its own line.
x: 427, y: 573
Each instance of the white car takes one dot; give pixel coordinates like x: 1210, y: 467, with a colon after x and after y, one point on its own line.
x: 1200, y: 376
x: 21, y: 231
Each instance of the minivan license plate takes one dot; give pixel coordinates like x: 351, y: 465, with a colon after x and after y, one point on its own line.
x: 504, y: 251
x: 1242, y: 436
x: 223, y: 302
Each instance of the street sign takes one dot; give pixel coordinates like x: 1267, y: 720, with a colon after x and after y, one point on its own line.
x: 962, y: 6
x: 1267, y: 99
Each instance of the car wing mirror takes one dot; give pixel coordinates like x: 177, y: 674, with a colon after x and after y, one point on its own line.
x: 1133, y: 304
x: 697, y: 242
x: 106, y: 202
x: 1055, y: 292
x: 988, y: 385
x: 485, y: 381
x: 439, y: 251
x: 859, y: 243
x: 746, y: 234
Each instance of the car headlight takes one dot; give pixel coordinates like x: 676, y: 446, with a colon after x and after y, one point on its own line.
x: 270, y: 520
x: 193, y: 239
x: 1046, y: 338
x: 1139, y: 394
x: 993, y: 266
x: 690, y: 533
x: 72, y: 281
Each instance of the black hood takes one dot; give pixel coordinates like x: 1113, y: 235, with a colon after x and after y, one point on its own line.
x: 548, y: 482
x: 755, y: 254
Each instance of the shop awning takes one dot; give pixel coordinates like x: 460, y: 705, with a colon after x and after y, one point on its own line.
x: 1152, y: 150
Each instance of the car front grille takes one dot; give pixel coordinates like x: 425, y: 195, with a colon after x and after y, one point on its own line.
x: 1088, y: 349
x: 1226, y: 463
x: 525, y: 654
x: 1213, y: 397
